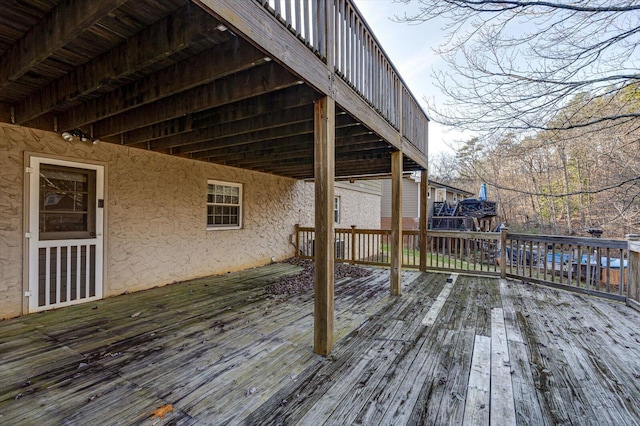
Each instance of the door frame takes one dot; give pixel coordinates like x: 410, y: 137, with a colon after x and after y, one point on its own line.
x: 31, y: 225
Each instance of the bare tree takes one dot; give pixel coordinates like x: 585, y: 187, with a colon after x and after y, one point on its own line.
x: 513, y: 65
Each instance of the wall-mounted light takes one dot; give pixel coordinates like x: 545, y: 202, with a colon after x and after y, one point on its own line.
x: 70, y: 135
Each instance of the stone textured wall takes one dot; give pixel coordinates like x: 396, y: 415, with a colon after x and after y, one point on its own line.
x: 155, y: 208
x: 155, y: 215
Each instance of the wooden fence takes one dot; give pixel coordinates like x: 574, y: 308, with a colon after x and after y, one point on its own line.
x: 602, y: 267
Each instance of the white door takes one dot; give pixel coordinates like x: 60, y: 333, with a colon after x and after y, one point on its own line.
x: 65, y: 233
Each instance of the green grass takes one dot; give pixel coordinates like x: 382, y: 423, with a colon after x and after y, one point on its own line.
x: 412, y: 257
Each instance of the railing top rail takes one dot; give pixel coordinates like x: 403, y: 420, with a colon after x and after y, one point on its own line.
x: 464, y: 234
x: 562, y: 239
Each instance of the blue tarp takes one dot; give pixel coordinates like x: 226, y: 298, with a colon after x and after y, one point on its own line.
x: 614, y: 263
x: 482, y: 195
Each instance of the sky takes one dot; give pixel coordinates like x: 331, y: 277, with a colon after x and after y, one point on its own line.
x: 410, y: 48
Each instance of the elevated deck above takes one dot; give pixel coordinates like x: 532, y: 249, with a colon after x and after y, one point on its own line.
x: 226, y: 81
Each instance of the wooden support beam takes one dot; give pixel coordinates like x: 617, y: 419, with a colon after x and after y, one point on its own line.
x: 292, y: 97
x: 6, y: 113
x: 424, y: 218
x: 256, y: 81
x: 157, y: 42
x: 344, y: 169
x: 207, y: 147
x: 396, y: 223
x: 188, y: 79
x: 370, y: 156
x: 287, y: 148
x: 286, y: 122
x: 65, y: 23
x: 324, y: 147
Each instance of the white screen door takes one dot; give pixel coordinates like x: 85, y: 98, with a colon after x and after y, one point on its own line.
x: 65, y: 233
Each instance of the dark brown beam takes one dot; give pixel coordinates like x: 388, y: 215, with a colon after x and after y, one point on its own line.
x: 345, y: 127
x: 157, y: 42
x: 300, y: 157
x: 5, y: 113
x: 343, y: 169
x: 306, y: 156
x: 291, y: 97
x: 185, y: 77
x: 64, y: 24
x: 289, y: 147
x: 208, y: 146
x: 254, y: 82
x: 273, y: 120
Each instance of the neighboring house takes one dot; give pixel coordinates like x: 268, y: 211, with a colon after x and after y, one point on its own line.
x: 141, y: 146
x: 436, y: 192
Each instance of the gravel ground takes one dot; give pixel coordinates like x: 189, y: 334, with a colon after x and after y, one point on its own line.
x: 304, y: 280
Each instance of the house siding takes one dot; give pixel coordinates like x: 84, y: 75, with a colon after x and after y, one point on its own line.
x: 357, y: 207
x: 370, y: 186
x: 155, y: 215
x: 410, y: 195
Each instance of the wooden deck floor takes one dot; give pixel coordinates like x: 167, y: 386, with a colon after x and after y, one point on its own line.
x: 222, y: 351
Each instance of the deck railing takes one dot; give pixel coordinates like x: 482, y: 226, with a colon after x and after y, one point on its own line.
x: 588, y: 265
x: 358, y: 59
x: 633, y: 290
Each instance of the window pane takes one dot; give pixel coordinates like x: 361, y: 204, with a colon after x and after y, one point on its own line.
x: 65, y: 199
x: 63, y: 222
x: 223, y: 205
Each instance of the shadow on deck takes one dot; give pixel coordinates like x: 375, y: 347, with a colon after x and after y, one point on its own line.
x: 221, y: 350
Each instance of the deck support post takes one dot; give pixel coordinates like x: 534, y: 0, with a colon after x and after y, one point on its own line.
x: 503, y: 252
x: 424, y: 214
x: 324, y: 170
x: 396, y: 223
x: 633, y: 271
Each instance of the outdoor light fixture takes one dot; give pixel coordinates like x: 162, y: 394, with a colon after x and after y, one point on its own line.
x: 77, y: 133
x: 221, y: 28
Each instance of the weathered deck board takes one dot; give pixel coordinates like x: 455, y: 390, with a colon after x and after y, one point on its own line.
x: 476, y: 410
x: 223, y: 351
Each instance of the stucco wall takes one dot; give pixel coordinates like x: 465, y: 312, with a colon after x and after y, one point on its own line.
x: 155, y: 215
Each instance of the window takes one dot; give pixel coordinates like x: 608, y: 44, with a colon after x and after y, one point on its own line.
x: 336, y: 209
x: 429, y: 193
x: 67, y: 202
x: 224, y: 205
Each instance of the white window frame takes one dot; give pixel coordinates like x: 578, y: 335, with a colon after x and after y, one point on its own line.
x: 212, y: 227
x: 337, y: 203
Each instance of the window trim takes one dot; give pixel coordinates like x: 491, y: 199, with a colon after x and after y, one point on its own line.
x: 213, y: 227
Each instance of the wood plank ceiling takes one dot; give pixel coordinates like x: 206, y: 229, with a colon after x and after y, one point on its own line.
x: 166, y: 76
